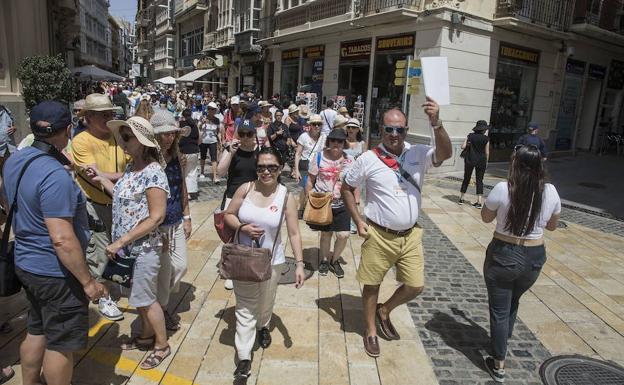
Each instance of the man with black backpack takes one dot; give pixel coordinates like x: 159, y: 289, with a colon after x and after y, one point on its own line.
x: 51, y: 236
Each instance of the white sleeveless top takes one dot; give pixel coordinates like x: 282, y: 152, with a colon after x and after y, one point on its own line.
x: 268, y: 218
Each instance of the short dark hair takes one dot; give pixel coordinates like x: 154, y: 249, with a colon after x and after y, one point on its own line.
x: 271, y: 151
x: 330, y: 103
x: 187, y: 113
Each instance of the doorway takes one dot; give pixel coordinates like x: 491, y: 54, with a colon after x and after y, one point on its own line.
x: 353, y: 83
x: 587, y: 124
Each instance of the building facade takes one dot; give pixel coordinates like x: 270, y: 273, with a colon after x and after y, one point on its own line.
x: 145, y: 30
x: 164, y: 45
x: 558, y: 64
x: 95, y: 34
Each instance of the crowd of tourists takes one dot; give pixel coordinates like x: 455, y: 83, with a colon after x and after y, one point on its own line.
x: 105, y: 212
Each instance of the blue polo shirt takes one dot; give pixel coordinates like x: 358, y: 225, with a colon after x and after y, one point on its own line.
x: 47, y: 190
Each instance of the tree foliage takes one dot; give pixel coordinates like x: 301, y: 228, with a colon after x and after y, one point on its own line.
x: 45, y: 78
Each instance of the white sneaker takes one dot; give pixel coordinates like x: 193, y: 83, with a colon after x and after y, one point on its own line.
x: 228, y: 284
x: 108, y: 308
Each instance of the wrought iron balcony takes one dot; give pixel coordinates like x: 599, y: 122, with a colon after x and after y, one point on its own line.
x: 605, y: 14
x: 311, y: 12
x: 377, y: 6
x: 554, y: 14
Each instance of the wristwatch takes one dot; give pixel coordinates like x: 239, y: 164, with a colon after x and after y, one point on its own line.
x: 436, y: 126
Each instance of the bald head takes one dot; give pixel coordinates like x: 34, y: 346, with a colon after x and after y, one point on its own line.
x: 394, y: 117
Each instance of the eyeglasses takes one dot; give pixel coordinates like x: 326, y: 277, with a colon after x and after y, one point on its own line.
x: 248, y: 134
x: 316, y: 124
x: 395, y: 130
x: 272, y: 168
x: 126, y: 137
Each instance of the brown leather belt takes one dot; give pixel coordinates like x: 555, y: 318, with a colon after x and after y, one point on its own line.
x: 99, y: 204
x: 518, y: 241
x: 400, y: 233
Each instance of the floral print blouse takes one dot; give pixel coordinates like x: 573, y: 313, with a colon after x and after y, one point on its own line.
x: 130, y: 201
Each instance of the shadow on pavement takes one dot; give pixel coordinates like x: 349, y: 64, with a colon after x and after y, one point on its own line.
x: 227, y: 335
x: 353, y: 321
x: 469, y: 339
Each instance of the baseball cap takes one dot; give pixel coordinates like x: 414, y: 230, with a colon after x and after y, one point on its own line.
x: 246, y: 126
x: 235, y: 100
x: 213, y: 105
x: 54, y: 113
x: 533, y: 126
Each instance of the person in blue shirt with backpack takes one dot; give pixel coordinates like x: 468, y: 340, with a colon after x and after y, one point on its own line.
x: 532, y: 138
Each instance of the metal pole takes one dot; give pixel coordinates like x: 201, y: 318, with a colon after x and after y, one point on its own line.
x: 406, y: 85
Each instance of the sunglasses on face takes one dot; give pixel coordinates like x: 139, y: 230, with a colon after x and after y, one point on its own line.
x: 246, y: 134
x: 272, y: 168
x: 316, y: 124
x: 126, y: 137
x: 395, y: 130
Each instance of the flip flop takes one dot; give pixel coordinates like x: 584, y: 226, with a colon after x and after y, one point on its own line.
x: 154, y: 360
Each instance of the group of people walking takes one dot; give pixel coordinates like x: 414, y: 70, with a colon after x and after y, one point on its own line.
x: 125, y: 218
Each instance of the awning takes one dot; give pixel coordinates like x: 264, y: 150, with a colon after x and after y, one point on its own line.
x: 166, y: 80
x: 95, y: 73
x: 194, y: 75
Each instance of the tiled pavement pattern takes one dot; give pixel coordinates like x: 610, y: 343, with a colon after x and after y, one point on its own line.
x: 453, y: 322
x: 577, y: 306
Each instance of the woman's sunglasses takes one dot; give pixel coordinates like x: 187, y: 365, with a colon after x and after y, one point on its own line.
x: 126, y: 137
x: 248, y: 134
x: 395, y: 129
x: 316, y: 124
x: 272, y: 168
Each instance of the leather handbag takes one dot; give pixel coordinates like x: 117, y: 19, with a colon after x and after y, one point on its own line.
x: 248, y: 263
x: 318, y: 211
x: 9, y: 283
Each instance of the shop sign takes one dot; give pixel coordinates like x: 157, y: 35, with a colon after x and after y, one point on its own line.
x: 405, y: 42
x: 314, y: 51
x: 616, y: 75
x: 576, y: 67
x: 521, y: 54
x: 290, y: 54
x: 317, y: 70
x: 354, y: 50
x: 597, y: 72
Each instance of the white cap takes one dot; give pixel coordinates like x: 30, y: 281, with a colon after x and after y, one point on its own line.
x: 213, y: 105
x: 234, y: 100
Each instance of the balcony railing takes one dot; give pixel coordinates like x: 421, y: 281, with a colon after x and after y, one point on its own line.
x: 313, y: 11
x: 378, y: 6
x: 225, y: 36
x: 181, y: 6
x: 210, y: 40
x: 555, y: 14
x: 605, y: 14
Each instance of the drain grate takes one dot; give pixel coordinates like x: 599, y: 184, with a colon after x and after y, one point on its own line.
x: 579, y: 370
x: 288, y: 276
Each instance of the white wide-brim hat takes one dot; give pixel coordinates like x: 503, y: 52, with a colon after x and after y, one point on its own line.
x: 163, y: 122
x: 141, y: 128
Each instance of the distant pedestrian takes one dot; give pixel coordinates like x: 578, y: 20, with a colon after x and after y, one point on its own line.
x: 325, y: 174
x: 523, y: 207
x: 307, y: 144
x: 279, y: 137
x: 357, y: 146
x: 532, y: 138
x: 189, y: 146
x: 327, y: 116
x: 477, y: 148
x: 51, y: 236
x: 257, y: 210
x: 393, y: 176
x: 176, y: 226
x: 139, y: 207
x: 210, y: 128
x: 231, y: 120
x: 7, y: 131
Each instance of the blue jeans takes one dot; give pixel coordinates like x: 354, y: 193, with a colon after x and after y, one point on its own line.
x: 509, y: 271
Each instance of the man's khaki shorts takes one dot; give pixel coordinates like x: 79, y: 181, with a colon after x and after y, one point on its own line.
x: 382, y: 250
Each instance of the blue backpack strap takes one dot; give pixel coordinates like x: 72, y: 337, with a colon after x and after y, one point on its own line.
x: 318, y: 160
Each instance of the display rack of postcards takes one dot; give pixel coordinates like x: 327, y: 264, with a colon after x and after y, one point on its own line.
x: 358, y: 111
x: 339, y: 101
x: 310, y: 99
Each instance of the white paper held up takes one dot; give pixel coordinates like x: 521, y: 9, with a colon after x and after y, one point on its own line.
x: 436, y: 79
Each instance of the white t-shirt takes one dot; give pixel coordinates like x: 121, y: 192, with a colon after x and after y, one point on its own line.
x: 310, y: 145
x: 498, y: 201
x: 328, y: 115
x: 210, y: 131
x: 392, y: 201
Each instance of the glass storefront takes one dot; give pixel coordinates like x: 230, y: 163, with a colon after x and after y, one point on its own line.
x: 290, y: 73
x: 353, y: 72
x: 386, y: 93
x: 512, y: 102
x: 312, y: 72
x: 569, y: 104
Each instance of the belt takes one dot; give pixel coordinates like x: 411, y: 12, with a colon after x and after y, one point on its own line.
x: 99, y: 204
x: 518, y: 241
x: 400, y: 233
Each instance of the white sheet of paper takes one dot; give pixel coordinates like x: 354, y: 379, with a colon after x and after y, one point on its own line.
x: 436, y: 79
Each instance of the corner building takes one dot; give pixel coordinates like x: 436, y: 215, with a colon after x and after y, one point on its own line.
x: 558, y: 63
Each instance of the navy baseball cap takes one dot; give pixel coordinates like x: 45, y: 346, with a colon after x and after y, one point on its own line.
x: 533, y: 126
x: 246, y: 126
x: 56, y: 114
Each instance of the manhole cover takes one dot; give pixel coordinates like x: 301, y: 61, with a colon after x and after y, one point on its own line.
x: 579, y: 370
x: 288, y: 276
x: 592, y: 185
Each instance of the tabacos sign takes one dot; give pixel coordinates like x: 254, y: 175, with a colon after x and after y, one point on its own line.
x: 354, y: 50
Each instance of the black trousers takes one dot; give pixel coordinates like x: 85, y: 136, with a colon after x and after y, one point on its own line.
x: 509, y: 271
x: 468, y: 174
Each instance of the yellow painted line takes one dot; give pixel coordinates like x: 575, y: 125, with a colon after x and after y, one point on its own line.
x: 95, y: 329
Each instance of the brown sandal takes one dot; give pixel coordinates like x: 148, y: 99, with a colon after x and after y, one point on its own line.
x: 154, y: 360
x: 139, y: 343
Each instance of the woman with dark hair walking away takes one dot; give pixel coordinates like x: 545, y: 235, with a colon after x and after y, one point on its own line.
x: 476, y: 151
x: 523, y: 206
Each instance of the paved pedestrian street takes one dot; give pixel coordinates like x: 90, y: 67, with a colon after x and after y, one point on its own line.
x: 576, y: 307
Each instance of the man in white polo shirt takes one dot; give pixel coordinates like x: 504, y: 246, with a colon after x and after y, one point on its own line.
x: 393, y: 176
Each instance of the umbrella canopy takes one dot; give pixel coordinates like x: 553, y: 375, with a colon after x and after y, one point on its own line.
x: 166, y: 80
x: 95, y: 73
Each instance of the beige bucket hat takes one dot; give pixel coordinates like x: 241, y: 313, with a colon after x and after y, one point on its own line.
x: 292, y: 109
x: 96, y: 102
x: 340, y: 120
x: 163, y: 121
x: 315, y: 118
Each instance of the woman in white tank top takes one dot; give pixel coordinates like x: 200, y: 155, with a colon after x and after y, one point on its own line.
x: 256, y: 210
x: 523, y: 206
